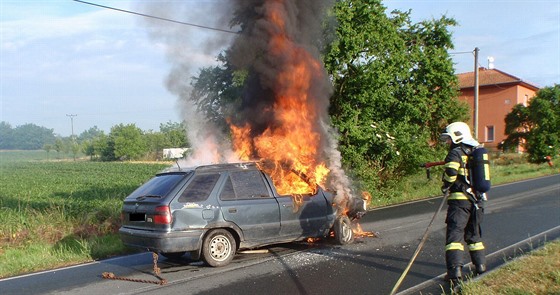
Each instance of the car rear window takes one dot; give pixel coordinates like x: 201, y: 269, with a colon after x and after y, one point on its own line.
x: 199, y: 188
x: 160, y: 185
x: 244, y: 185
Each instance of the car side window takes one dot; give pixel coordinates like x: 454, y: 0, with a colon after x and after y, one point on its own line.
x: 227, y: 192
x: 244, y: 185
x: 199, y: 188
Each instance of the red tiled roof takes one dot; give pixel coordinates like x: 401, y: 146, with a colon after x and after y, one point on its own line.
x: 490, y: 77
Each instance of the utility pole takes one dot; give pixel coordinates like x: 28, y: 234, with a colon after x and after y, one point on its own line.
x: 74, y: 144
x: 475, y: 117
x: 72, y: 123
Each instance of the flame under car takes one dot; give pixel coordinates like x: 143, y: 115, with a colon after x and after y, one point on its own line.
x: 213, y: 211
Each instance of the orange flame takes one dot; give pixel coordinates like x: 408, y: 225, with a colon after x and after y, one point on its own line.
x: 292, y: 143
x: 359, y: 232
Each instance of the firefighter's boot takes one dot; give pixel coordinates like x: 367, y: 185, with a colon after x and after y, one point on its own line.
x: 454, y: 262
x: 454, y: 275
x: 479, y: 261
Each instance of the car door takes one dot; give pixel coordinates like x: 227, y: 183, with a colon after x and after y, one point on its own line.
x: 246, y: 201
x: 303, y: 216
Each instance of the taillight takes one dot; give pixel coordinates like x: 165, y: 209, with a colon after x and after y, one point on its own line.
x: 163, y: 215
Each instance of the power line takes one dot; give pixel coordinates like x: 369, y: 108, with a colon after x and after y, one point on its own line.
x: 157, y: 17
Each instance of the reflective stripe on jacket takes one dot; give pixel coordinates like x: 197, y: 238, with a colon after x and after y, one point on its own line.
x: 455, y: 174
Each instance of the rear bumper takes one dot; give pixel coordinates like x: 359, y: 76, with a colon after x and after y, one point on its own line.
x: 162, y: 241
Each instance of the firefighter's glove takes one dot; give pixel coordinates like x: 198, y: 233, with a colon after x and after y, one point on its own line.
x: 444, y: 189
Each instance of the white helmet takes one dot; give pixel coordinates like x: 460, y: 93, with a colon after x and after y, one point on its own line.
x: 460, y: 133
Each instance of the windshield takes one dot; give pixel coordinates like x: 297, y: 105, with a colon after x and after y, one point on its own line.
x: 158, y: 186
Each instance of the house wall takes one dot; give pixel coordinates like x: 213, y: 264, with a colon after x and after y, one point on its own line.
x: 495, y: 102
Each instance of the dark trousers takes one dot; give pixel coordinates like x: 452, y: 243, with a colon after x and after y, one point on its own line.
x: 463, y: 223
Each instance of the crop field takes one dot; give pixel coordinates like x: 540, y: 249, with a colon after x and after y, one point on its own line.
x: 61, y: 211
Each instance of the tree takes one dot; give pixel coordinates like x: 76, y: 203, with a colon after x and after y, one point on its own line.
x: 90, y: 142
x: 91, y: 133
x: 6, y: 136
x: 536, y: 126
x: 26, y: 137
x: 394, y: 87
x: 58, y: 146
x: 127, y: 142
x: 155, y: 142
x: 75, y: 148
x: 174, y: 134
x: 217, y: 91
x: 104, y: 148
x: 48, y: 147
x: 88, y: 148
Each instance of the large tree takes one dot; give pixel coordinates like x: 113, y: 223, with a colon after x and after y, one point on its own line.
x: 537, y: 125
x: 125, y: 142
x: 394, y: 87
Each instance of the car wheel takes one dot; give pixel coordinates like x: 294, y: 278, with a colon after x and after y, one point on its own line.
x: 173, y: 255
x: 342, y: 228
x: 218, y: 248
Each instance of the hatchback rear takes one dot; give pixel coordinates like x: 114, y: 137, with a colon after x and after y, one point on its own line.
x: 148, y: 219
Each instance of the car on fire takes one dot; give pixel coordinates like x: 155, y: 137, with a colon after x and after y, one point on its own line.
x: 213, y: 211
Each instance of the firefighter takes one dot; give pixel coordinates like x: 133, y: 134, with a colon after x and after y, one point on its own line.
x: 465, y: 207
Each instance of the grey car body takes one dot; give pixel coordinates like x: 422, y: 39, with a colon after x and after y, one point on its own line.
x: 212, y: 211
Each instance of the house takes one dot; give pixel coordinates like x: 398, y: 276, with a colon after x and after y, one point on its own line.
x: 498, y: 93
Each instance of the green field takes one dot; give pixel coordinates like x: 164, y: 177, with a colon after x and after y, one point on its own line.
x: 59, y: 212
x: 56, y: 212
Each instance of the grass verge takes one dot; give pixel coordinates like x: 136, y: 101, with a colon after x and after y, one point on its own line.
x: 418, y: 186
x: 536, y: 273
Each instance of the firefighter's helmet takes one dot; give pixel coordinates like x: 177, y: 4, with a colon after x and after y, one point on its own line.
x: 460, y: 132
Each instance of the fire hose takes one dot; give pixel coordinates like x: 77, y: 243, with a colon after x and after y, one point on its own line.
x: 420, y: 245
x: 429, y: 165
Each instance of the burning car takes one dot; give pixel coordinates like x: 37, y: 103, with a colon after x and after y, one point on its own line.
x: 215, y: 210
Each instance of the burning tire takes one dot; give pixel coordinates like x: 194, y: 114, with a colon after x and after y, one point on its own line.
x: 342, y: 229
x: 218, y: 248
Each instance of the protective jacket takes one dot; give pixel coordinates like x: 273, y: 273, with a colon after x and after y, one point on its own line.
x: 455, y: 176
x: 464, y: 213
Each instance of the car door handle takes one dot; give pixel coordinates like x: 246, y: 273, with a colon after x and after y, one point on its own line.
x: 232, y: 210
x: 287, y: 206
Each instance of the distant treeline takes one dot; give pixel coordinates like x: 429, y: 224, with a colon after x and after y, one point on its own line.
x: 124, y: 142
x: 25, y: 137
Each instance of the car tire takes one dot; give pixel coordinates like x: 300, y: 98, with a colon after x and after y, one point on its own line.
x: 218, y: 248
x: 172, y: 255
x: 342, y: 228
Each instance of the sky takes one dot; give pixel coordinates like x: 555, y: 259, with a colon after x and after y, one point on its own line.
x: 70, y: 66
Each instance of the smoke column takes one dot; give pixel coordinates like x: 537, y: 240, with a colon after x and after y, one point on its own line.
x: 277, y: 39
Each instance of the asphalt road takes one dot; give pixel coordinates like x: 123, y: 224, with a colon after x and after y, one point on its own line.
x: 519, y: 218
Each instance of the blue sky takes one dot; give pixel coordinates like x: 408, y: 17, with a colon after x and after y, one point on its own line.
x: 60, y: 57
